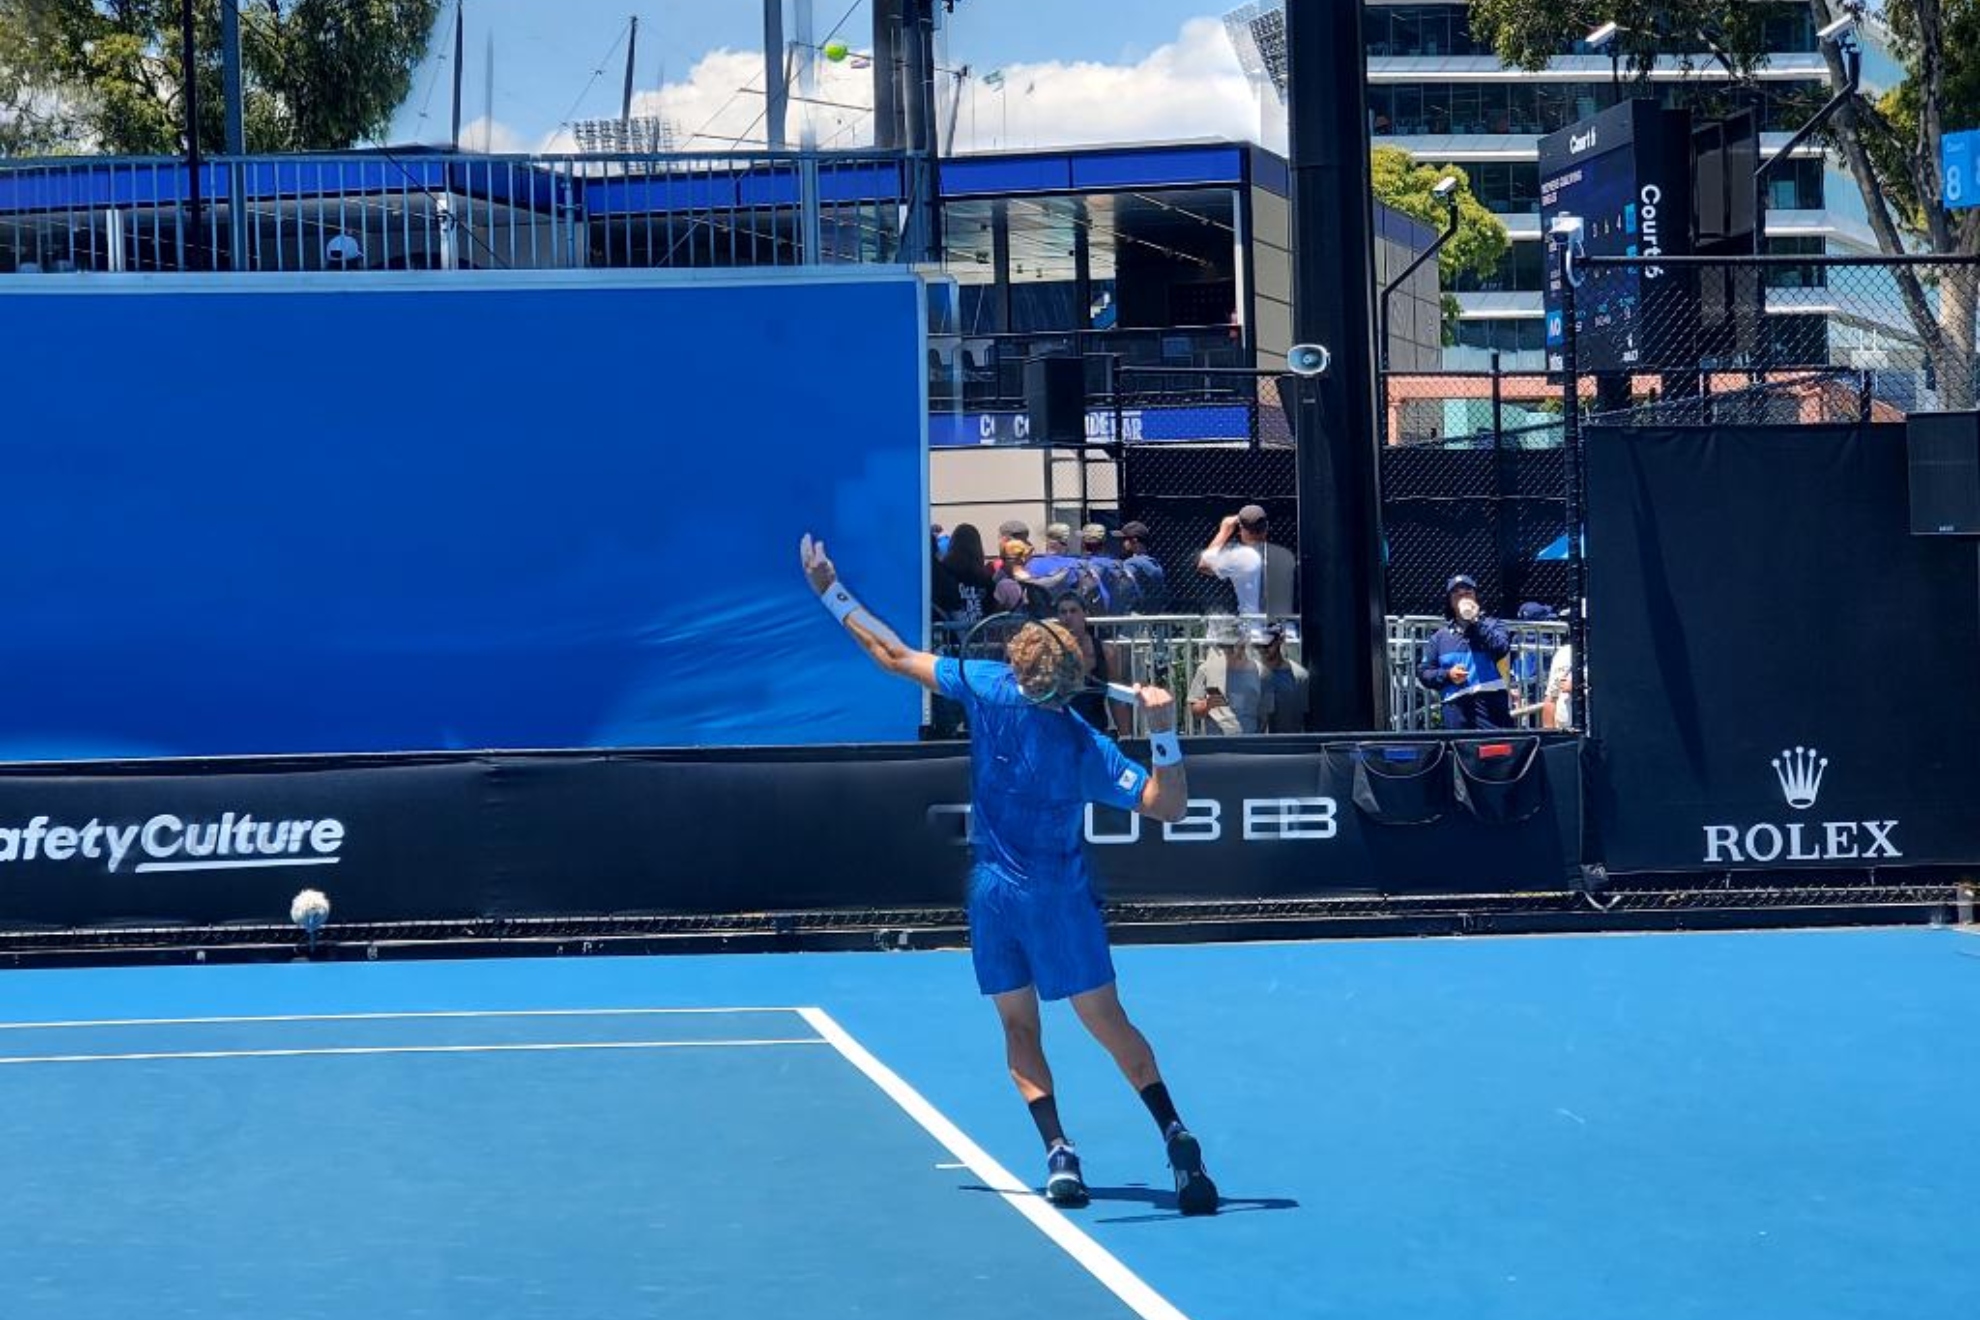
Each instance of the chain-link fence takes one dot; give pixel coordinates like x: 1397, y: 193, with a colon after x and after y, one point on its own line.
x: 1781, y: 341
x: 1195, y: 447
x: 1475, y: 482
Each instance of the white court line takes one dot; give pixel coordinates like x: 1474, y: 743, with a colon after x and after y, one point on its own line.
x: 382, y: 1017
x: 1102, y: 1264
x: 411, y: 1049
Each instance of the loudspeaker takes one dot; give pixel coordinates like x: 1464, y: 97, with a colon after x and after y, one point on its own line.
x: 1055, y: 398
x: 1944, y: 452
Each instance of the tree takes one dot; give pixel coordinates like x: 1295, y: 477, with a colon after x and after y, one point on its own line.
x: 104, y: 75
x: 1480, y: 243
x: 1890, y: 144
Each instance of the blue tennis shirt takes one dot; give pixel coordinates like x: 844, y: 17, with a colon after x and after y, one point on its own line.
x: 1033, y: 769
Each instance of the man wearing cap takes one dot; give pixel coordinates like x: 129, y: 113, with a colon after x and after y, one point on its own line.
x: 1149, y: 584
x: 1467, y: 662
x: 1105, y: 573
x: 1285, y: 682
x: 1259, y: 572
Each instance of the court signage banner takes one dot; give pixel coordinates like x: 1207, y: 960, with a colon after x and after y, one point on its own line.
x: 709, y: 832
x: 1775, y: 661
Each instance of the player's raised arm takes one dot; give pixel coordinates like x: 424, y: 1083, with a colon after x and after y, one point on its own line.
x: 874, y: 637
x: 1166, y: 794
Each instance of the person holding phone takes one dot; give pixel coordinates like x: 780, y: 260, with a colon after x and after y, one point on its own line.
x: 1226, y: 693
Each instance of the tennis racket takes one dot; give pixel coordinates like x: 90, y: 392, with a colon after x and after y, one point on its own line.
x: 1013, y: 663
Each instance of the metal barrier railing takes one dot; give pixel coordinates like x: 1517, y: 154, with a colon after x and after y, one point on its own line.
x: 1415, y: 708
x: 1167, y: 649
x: 439, y: 211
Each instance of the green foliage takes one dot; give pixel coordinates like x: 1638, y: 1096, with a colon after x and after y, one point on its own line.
x: 1450, y: 309
x: 1403, y: 185
x: 318, y: 74
x: 1896, y: 136
x: 1528, y: 33
x: 1899, y: 131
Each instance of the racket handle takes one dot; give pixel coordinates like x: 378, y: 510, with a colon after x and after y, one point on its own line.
x: 1123, y: 693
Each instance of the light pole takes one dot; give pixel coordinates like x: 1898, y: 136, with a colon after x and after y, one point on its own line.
x: 1445, y: 192
x: 1605, y: 36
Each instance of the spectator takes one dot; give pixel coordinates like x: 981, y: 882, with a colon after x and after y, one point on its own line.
x: 1260, y: 573
x: 1057, y: 566
x: 1529, y: 671
x: 1467, y: 663
x: 1226, y: 692
x: 1011, y: 529
x: 1090, y: 705
x: 1148, y: 585
x: 1285, y: 682
x: 1018, y: 588
x: 1103, y: 581
x: 963, y: 581
x: 1557, y: 710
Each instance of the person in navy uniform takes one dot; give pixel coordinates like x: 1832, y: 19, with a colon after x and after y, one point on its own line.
x: 1467, y: 662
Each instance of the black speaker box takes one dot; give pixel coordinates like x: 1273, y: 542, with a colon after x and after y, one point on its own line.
x: 1055, y: 399
x: 1944, y: 453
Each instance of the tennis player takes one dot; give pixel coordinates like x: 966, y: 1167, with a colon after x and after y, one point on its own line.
x: 1036, y: 929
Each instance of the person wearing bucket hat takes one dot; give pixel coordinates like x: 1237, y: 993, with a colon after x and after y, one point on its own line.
x: 1467, y: 662
x: 1227, y: 691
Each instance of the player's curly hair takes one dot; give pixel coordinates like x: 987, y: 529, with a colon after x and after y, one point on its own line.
x: 1046, y: 661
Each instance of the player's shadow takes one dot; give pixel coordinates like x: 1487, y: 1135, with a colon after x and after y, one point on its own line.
x: 1160, y: 1199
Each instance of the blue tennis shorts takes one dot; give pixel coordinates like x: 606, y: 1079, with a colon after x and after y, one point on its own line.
x: 1054, y: 938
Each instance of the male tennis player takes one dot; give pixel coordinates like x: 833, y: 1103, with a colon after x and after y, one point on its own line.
x: 1036, y: 930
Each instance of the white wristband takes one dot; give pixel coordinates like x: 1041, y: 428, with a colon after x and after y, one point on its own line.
x: 839, y: 601
x: 1164, y: 749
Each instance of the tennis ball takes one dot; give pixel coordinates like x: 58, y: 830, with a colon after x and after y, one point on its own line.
x: 836, y: 51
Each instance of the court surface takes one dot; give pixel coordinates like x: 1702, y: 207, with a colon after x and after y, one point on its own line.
x: 1748, y: 1125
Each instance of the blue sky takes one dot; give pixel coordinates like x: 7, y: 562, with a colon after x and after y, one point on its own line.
x: 546, y: 53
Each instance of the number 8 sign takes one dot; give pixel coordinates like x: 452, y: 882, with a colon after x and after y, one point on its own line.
x: 1957, y: 163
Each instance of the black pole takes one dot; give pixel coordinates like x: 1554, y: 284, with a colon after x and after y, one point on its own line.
x: 1853, y: 68
x: 1450, y: 232
x: 924, y: 200
x: 632, y: 51
x: 889, y: 133
x: 230, y: 77
x: 189, y: 72
x: 1576, y: 445
x: 1342, y: 615
x: 460, y: 36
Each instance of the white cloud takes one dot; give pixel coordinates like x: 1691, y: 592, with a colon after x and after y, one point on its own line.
x: 1188, y: 88
x: 492, y: 135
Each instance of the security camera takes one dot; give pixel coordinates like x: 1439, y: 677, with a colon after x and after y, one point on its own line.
x: 1308, y: 360
x: 1445, y: 187
x: 1837, y: 28
x: 1566, y: 226
x: 1603, y: 35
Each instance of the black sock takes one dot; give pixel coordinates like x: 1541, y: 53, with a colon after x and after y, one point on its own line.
x: 1045, y: 1113
x: 1156, y: 1096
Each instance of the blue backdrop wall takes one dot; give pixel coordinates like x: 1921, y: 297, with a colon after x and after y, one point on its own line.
x: 384, y: 513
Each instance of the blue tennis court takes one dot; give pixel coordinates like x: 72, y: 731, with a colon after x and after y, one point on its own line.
x: 1652, y: 1126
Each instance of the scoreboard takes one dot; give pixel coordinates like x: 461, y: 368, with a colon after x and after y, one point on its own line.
x: 1626, y: 175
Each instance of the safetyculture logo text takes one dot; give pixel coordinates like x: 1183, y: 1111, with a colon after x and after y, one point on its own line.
x: 236, y: 841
